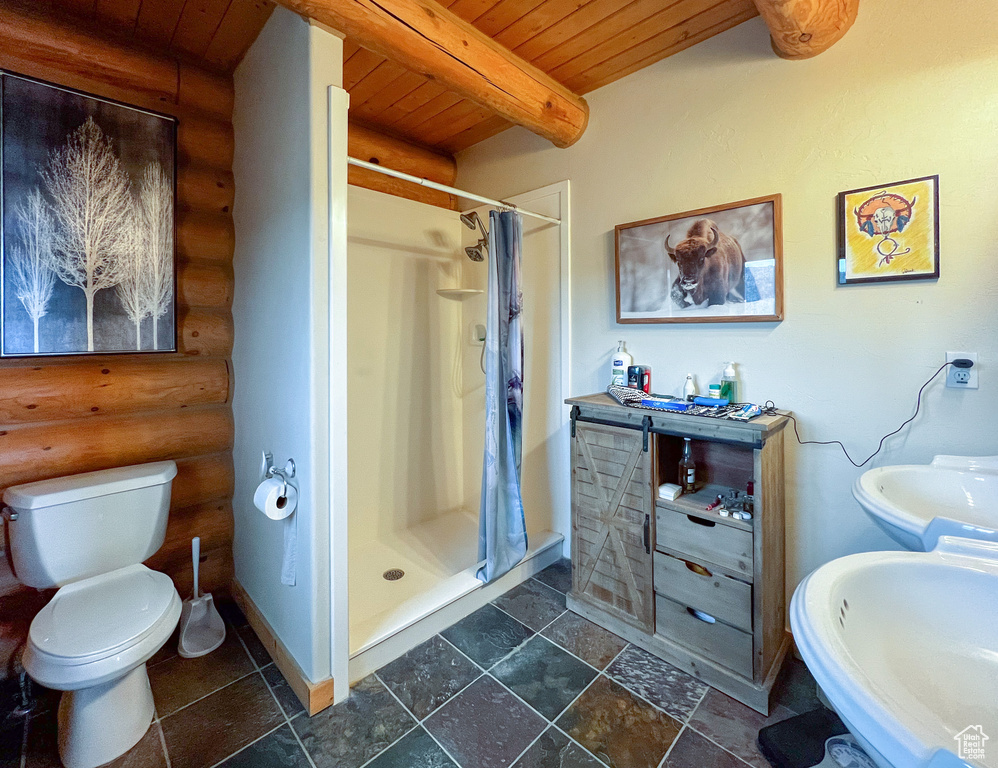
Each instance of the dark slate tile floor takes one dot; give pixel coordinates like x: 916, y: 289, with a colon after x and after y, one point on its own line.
x: 520, y: 683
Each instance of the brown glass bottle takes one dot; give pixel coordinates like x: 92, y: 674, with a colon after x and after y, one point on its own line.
x: 687, y: 468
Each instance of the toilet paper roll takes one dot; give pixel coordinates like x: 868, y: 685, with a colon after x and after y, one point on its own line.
x: 269, y: 499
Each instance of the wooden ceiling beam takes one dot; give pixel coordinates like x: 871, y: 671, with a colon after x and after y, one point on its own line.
x: 364, y: 143
x: 425, y: 37
x: 800, y: 29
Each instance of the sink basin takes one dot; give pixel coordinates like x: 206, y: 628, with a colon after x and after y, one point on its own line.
x: 916, y: 504
x: 905, y: 647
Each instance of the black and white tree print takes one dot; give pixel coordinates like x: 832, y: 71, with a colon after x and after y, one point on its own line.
x: 30, y: 259
x: 133, y: 288
x: 92, y: 202
x: 146, y: 287
x: 87, y: 218
x: 156, y: 208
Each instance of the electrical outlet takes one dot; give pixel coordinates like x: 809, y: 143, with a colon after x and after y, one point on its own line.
x: 961, y: 378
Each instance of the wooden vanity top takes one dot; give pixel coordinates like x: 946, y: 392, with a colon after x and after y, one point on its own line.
x: 603, y: 407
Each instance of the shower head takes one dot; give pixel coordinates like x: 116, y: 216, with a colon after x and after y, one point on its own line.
x: 476, y: 253
x: 471, y: 220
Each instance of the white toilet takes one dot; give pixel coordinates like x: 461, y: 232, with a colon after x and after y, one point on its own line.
x: 88, y: 535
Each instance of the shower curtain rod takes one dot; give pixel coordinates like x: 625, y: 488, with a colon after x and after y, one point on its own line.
x: 443, y: 188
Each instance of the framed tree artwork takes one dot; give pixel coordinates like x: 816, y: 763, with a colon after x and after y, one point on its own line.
x: 87, y: 223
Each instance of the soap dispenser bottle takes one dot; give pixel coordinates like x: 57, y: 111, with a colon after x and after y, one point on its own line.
x: 621, y: 362
x: 729, y: 383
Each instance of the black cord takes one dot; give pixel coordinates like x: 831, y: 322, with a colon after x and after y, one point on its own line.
x: 770, y: 409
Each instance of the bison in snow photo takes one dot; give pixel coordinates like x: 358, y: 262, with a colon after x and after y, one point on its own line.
x: 711, y: 266
x: 717, y: 264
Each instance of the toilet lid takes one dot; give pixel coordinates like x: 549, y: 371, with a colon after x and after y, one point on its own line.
x: 99, y: 615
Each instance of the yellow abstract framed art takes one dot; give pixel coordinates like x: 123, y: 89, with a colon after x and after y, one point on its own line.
x: 889, y: 232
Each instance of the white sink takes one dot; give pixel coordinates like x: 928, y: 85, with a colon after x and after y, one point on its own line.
x: 905, y: 647
x: 916, y: 504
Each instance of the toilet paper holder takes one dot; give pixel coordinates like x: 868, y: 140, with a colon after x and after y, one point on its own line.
x: 269, y: 470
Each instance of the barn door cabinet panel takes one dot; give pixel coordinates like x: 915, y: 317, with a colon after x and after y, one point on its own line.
x: 611, y: 522
x: 701, y: 590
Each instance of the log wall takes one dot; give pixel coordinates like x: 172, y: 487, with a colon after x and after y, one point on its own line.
x: 61, y: 416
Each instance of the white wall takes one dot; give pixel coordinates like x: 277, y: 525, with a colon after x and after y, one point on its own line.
x: 906, y: 93
x: 280, y: 357
x: 404, y: 375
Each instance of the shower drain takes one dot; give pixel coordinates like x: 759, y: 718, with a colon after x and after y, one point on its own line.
x: 393, y: 574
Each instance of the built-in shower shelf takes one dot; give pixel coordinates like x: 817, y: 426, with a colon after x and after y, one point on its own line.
x: 458, y: 293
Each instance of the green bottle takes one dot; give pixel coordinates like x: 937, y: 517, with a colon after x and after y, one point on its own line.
x: 729, y: 383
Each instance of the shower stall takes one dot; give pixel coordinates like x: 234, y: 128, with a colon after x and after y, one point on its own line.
x: 416, y: 316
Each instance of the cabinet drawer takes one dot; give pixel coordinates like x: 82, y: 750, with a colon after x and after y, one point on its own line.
x: 717, y: 642
x: 727, y: 599
x: 705, y: 541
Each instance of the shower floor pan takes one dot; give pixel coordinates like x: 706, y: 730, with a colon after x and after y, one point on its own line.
x: 389, y: 616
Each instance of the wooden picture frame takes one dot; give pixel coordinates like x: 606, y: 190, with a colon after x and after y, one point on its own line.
x: 889, y: 232
x: 88, y: 201
x: 721, y: 264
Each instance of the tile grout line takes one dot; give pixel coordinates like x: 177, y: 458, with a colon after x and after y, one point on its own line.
x: 246, y: 649
x: 419, y: 723
x: 579, y: 744
x: 665, y: 757
x: 681, y: 720
x: 548, y: 723
x: 702, y: 697
x: 466, y: 655
x: 532, y: 578
x: 485, y: 673
x: 202, y: 698
x: 562, y: 712
x: 378, y: 754
x: 518, y: 647
x: 162, y: 743
x: 526, y: 749
x: 287, y: 720
x: 301, y: 744
x: 247, y: 746
x: 716, y: 744
x: 538, y: 634
x: 520, y: 621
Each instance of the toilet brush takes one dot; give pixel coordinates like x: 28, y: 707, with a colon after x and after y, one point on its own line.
x: 201, y: 627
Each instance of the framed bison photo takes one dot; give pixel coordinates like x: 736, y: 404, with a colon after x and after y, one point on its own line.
x: 87, y: 199
x: 889, y: 232
x: 714, y: 265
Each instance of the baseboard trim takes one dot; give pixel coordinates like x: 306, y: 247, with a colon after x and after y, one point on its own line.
x: 315, y: 697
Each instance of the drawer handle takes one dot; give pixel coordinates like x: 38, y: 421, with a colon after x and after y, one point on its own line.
x: 701, y: 521
x: 699, y: 570
x: 706, y: 618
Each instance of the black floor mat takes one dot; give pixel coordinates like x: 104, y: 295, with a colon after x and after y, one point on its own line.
x: 800, y: 742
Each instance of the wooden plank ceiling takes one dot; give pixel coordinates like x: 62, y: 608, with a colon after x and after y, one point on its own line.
x: 584, y: 44
x: 212, y: 32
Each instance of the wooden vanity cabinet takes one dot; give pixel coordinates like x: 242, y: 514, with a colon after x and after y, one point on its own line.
x: 702, y: 591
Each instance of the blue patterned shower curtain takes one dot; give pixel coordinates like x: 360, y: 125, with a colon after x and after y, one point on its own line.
x: 502, y: 532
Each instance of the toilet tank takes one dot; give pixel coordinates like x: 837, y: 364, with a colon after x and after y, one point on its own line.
x: 70, y: 528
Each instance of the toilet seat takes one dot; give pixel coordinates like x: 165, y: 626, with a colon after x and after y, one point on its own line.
x: 98, y: 628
